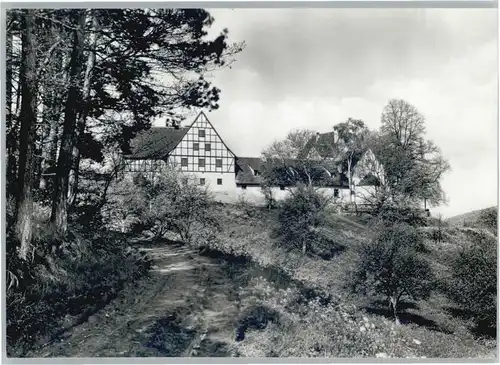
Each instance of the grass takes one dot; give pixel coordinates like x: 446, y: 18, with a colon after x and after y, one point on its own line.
x: 433, y: 323
x: 65, y: 280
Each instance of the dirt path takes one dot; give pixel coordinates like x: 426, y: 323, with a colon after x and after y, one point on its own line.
x: 188, y: 307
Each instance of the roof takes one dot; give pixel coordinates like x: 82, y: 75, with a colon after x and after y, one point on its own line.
x: 369, y: 180
x: 244, y: 173
x: 156, y: 142
x: 323, y: 143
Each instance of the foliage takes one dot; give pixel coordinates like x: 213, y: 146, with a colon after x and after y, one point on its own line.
x: 65, y: 277
x: 392, y: 265
x: 351, y: 141
x: 413, y: 165
x: 288, y: 162
x: 399, y: 213
x: 473, y: 285
x: 168, y: 203
x: 299, y: 214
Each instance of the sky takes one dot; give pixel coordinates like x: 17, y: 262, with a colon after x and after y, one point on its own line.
x: 314, y: 68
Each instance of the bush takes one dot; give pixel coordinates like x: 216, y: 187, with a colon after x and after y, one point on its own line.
x: 392, y: 265
x: 474, y: 283
x: 299, y: 214
x: 164, y: 205
x: 393, y: 214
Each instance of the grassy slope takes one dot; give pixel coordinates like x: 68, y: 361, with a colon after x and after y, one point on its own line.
x: 440, y: 334
x: 471, y: 218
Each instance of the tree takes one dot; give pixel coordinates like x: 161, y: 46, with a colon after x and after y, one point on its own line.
x: 351, y: 140
x: 141, y: 63
x: 413, y: 166
x: 28, y: 85
x: 404, y: 123
x: 83, y: 112
x: 59, y: 214
x: 291, y: 161
x: 473, y: 285
x: 392, y: 265
x: 299, y: 215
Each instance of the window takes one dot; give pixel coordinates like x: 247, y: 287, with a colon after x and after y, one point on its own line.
x: 257, y: 173
x: 202, y: 181
x: 218, y: 162
x: 219, y: 181
x: 207, y: 146
x: 196, y: 146
x: 336, y: 193
x: 184, y: 161
x: 282, y: 187
x: 201, y: 162
x: 201, y: 133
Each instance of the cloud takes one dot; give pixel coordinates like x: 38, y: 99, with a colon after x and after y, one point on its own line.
x: 317, y: 67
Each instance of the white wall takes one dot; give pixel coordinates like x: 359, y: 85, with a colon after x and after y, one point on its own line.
x: 254, y: 195
x: 228, y: 180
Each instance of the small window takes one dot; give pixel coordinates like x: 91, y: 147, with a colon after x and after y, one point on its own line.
x: 184, y: 161
x: 219, y: 181
x: 257, y: 173
x: 201, y: 162
x: 207, y: 147
x: 218, y: 162
x: 196, y: 146
x: 244, y: 187
x: 201, y: 133
x: 202, y: 181
x: 336, y: 193
x: 282, y: 187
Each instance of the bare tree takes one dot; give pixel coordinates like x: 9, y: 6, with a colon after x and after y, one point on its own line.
x: 351, y: 137
x: 404, y: 122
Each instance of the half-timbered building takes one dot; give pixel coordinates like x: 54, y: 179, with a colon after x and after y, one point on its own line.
x: 199, y: 153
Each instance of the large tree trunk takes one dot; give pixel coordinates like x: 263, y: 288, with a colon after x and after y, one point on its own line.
x: 11, y: 135
x: 82, y: 119
x: 60, y: 204
x: 53, y: 112
x: 28, y: 82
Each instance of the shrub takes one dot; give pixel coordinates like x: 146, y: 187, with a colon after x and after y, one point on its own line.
x: 299, y: 214
x: 167, y: 204
x: 473, y: 285
x: 392, y: 265
x: 393, y: 214
x: 246, y: 207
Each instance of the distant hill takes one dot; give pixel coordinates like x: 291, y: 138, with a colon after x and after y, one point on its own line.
x: 483, y: 218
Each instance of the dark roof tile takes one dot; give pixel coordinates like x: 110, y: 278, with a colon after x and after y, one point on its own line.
x: 155, y: 143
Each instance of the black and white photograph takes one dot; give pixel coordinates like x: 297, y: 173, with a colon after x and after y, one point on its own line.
x: 250, y: 182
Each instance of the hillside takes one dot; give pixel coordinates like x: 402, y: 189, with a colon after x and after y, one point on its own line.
x: 483, y: 218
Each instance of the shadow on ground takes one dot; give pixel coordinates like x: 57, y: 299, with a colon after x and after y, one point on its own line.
x: 380, y: 307
x: 481, y: 329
